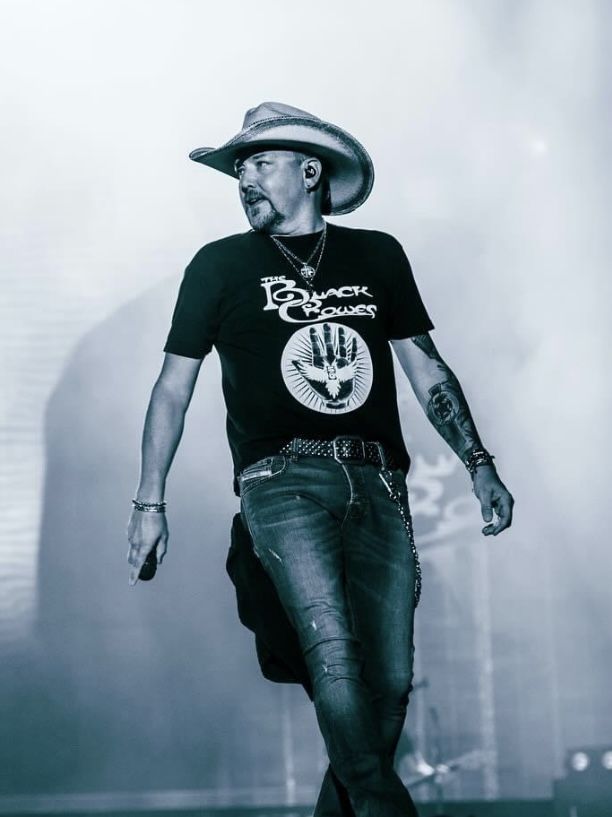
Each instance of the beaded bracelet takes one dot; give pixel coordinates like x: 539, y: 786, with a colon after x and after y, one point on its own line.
x: 478, y: 457
x: 149, y: 507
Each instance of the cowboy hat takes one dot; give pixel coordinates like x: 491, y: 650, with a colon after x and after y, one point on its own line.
x: 273, y: 125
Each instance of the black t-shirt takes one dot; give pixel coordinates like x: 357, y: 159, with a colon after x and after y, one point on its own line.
x: 296, y: 364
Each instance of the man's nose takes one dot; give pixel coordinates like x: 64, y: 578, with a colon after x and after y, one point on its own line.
x: 247, y: 179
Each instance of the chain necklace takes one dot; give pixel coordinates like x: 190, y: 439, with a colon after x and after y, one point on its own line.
x: 305, y: 268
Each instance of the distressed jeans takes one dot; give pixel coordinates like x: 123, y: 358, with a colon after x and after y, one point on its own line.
x: 334, y: 545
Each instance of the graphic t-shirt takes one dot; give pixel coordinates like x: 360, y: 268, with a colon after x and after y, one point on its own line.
x: 300, y: 363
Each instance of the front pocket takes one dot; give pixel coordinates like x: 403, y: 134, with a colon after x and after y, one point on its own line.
x: 260, y: 472
x: 255, y: 468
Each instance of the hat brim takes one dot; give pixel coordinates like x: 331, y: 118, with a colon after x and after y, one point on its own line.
x: 349, y: 169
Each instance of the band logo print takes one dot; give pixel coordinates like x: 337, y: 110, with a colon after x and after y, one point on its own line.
x: 298, y: 305
x: 327, y: 368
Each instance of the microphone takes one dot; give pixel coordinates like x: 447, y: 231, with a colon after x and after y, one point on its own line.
x: 149, y: 567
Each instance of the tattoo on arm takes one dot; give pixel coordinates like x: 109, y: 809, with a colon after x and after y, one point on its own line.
x: 426, y: 344
x: 447, y: 408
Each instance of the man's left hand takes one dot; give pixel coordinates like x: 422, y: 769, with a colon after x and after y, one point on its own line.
x: 493, y: 496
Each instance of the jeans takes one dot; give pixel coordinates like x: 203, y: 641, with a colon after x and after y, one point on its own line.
x: 334, y: 545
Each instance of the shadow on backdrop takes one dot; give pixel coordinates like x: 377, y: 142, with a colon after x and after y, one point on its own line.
x: 140, y: 683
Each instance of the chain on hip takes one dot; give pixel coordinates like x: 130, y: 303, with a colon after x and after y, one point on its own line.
x: 394, y: 494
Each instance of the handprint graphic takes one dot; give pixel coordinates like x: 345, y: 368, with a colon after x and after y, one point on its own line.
x: 328, y: 368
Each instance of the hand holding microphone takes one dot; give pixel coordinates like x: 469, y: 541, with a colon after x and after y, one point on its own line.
x: 148, y: 537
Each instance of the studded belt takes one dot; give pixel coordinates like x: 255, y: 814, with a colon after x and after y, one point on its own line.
x: 342, y: 449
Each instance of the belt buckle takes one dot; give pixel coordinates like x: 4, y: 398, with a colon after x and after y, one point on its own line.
x: 349, y: 437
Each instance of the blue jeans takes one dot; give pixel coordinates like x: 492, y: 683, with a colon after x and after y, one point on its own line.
x: 337, y: 551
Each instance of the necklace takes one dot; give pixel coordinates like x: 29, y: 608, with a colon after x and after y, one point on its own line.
x: 305, y: 268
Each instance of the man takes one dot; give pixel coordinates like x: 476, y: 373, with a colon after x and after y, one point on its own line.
x: 302, y: 314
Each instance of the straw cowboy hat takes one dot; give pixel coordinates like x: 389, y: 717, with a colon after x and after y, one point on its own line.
x: 273, y: 125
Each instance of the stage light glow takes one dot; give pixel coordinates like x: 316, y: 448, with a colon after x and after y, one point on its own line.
x: 580, y: 761
x: 606, y: 760
x: 539, y: 146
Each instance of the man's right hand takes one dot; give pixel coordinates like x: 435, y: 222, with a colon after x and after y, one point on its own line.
x: 145, y: 531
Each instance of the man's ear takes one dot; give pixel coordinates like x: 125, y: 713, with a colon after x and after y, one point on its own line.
x: 312, y: 170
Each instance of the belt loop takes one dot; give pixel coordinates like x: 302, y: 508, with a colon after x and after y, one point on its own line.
x: 381, y: 453
x: 294, y: 449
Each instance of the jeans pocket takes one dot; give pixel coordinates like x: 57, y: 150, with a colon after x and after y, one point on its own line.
x: 260, y: 472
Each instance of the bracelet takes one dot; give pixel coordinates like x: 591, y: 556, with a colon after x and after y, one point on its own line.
x: 149, y: 507
x: 478, y: 457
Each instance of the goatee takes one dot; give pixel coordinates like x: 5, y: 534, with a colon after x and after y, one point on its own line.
x: 263, y: 219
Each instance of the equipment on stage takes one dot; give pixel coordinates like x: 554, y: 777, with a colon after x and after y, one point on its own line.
x: 436, y: 774
x: 416, y: 771
x: 586, y: 789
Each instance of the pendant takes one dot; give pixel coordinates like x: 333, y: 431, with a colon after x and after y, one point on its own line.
x: 307, y: 272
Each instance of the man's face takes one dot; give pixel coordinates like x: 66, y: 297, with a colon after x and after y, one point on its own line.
x: 271, y: 185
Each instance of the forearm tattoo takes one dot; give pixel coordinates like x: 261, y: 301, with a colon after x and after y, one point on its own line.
x: 447, y: 408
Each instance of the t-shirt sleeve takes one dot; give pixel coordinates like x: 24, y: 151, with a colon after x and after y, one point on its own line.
x: 407, y: 315
x: 196, y: 316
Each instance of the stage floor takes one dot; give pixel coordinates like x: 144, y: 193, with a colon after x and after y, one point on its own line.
x: 506, y: 808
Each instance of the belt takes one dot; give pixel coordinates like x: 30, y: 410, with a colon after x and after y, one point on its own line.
x: 342, y: 449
